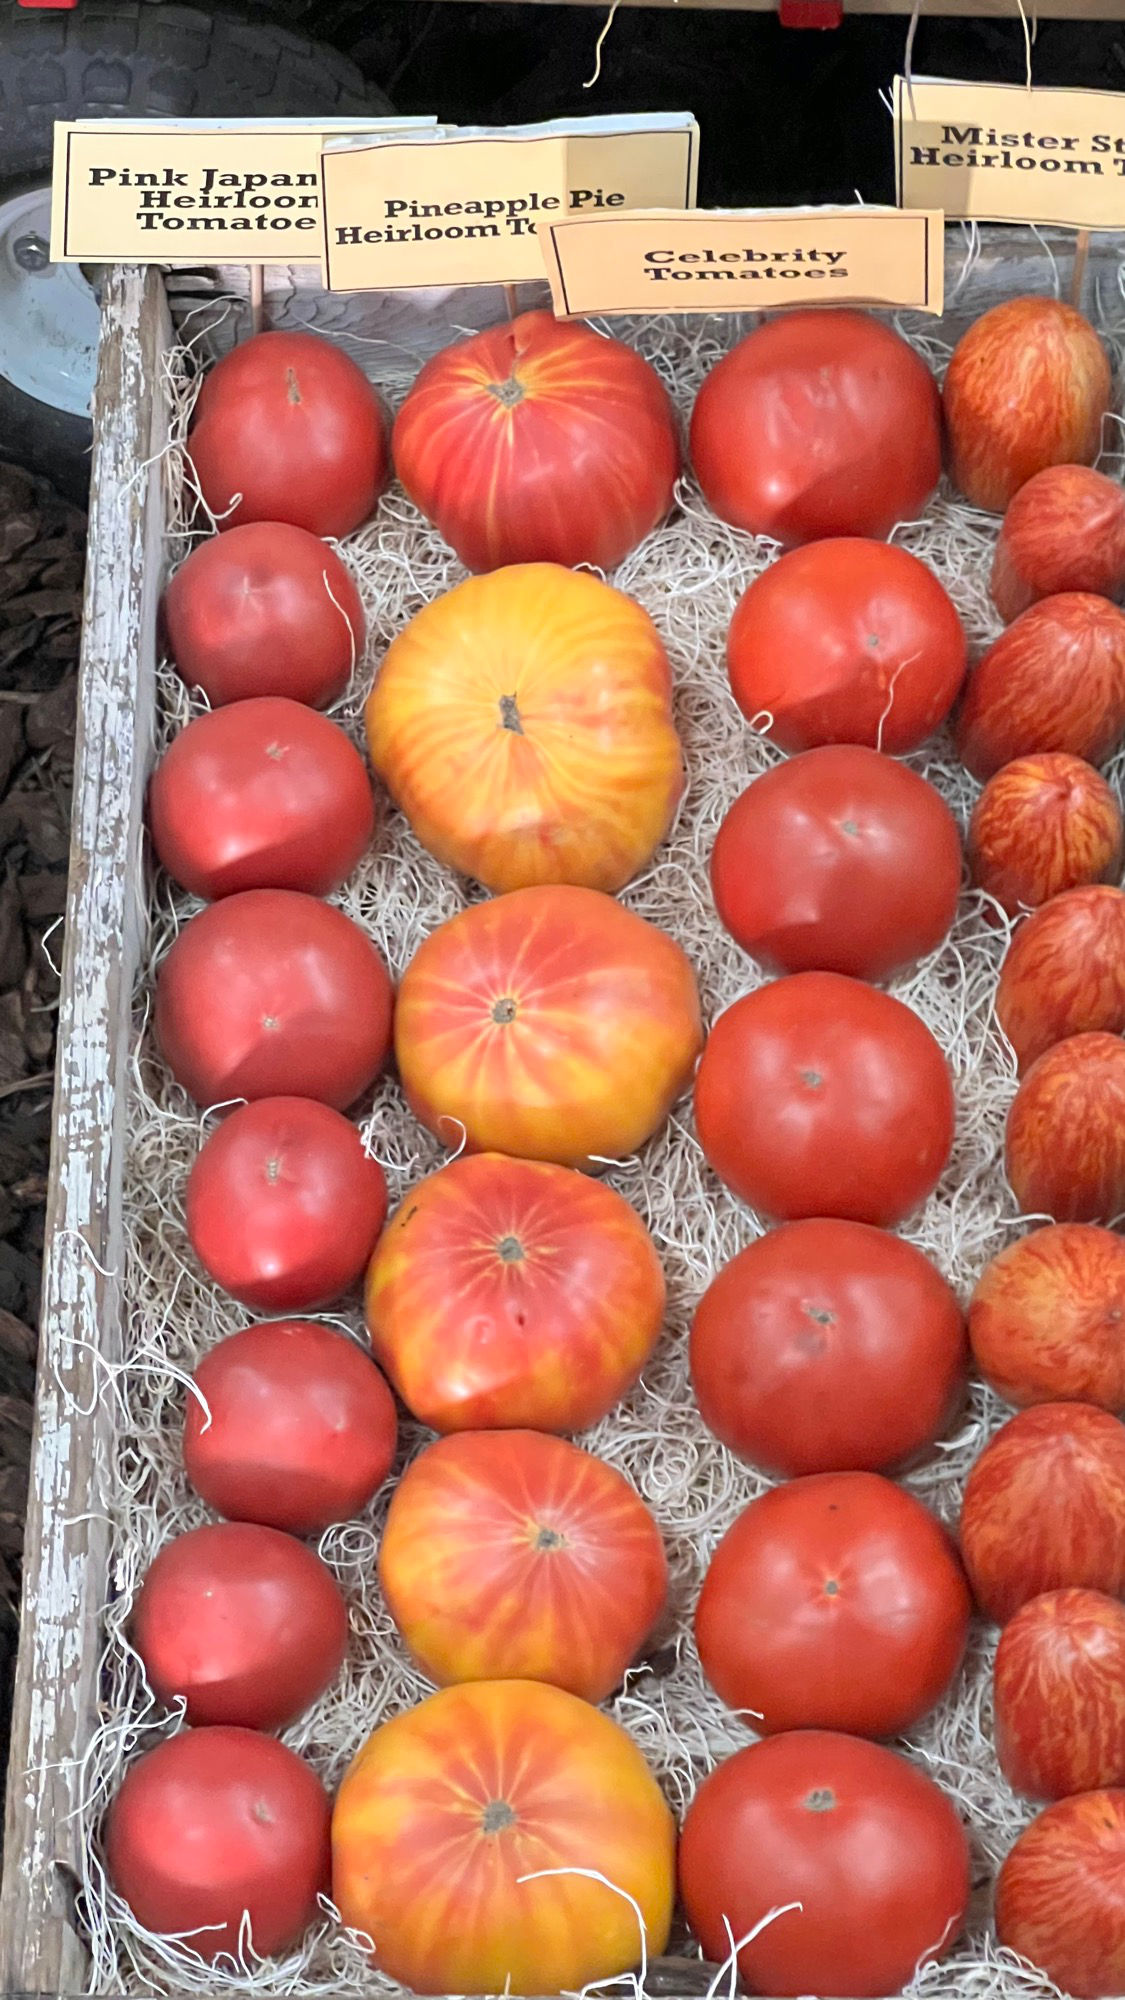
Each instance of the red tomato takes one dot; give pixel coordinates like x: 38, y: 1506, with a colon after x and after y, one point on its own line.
x: 514, y: 1556
x: 827, y: 1347
x: 1044, y: 1508
x: 1027, y: 387
x: 506, y: 1294
x: 287, y: 428
x: 260, y: 795
x: 1042, y: 825
x: 215, y: 1824
x: 871, y: 1851
x: 539, y: 441
x: 550, y: 1023
x: 1060, y: 1899
x: 1064, y: 530
x: 1055, y: 680
x: 846, y: 642
x: 838, y: 861
x: 449, y: 1808
x: 1046, y: 1318
x: 272, y: 993
x: 245, y: 1623
x: 818, y: 423
x: 284, y: 1205
x: 834, y: 1602
x: 1064, y: 972
x: 1064, y: 1149
x: 299, y: 1427
x: 817, y: 1096
x: 265, y: 609
x: 1059, y: 1694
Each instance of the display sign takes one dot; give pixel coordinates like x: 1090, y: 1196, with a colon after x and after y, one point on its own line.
x: 729, y: 260
x: 993, y: 152
x: 465, y: 208
x: 193, y: 190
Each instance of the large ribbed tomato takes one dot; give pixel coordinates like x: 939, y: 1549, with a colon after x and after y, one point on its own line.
x: 539, y: 441
x: 523, y: 722
x: 550, y: 1023
x: 509, y: 1293
x: 447, y: 1811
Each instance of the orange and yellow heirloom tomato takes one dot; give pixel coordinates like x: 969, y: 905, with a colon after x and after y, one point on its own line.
x: 509, y: 1293
x: 523, y: 722
x: 449, y: 1809
x: 508, y: 1555
x: 550, y: 1023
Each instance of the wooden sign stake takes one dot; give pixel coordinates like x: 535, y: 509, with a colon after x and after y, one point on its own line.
x: 257, y: 297
x: 1078, y: 273
x: 511, y: 301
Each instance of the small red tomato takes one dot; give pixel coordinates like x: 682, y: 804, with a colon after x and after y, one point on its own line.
x: 245, y: 1624
x: 264, y: 610
x: 1055, y: 680
x: 1064, y: 972
x: 272, y: 993
x: 1044, y: 1508
x: 1064, y: 530
x: 1027, y: 387
x: 1059, y: 1694
x: 284, y: 1205
x: 1064, y: 1149
x: 827, y: 1347
x: 298, y: 1431
x: 839, y: 860
x: 1044, y: 824
x: 1060, y: 1899
x: 261, y: 794
x: 834, y: 1602
x: 287, y: 428
x: 1047, y: 1319
x: 215, y: 1825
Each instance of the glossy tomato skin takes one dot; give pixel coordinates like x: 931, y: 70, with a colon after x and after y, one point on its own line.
x: 1055, y: 680
x: 834, y: 1602
x: 267, y: 609
x: 515, y: 1556
x: 819, y: 1096
x: 550, y: 1023
x: 1027, y: 387
x: 539, y: 441
x: 284, y: 1205
x: 1064, y: 530
x: 1044, y: 1508
x: 298, y: 1431
x: 1064, y: 972
x: 1047, y: 1319
x: 846, y: 641
x: 1042, y: 825
x: 268, y: 993
x: 512, y: 1294
x: 246, y: 1624
x: 828, y: 1346
x: 839, y: 860
x: 215, y: 1823
x: 871, y: 1849
x: 290, y: 429
x: 818, y: 424
x: 492, y: 1782
x: 523, y: 722
x: 261, y: 794
x: 1059, y: 1695
x: 1060, y: 1898
x: 1064, y: 1149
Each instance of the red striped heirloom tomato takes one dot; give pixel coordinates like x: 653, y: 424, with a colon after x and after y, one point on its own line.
x: 1064, y: 530
x: 1060, y: 1899
x: 1059, y: 1694
x: 1064, y: 1149
x: 1027, y: 387
x: 1042, y: 825
x: 1064, y: 972
x: 1055, y: 680
x: 1047, y: 1319
x: 1044, y: 1508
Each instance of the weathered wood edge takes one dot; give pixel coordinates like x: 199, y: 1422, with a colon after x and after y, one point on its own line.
x: 67, y: 1543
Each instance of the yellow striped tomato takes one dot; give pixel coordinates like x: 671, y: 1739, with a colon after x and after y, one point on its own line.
x: 523, y: 722
x: 513, y: 1556
x: 550, y: 1023
x: 448, y: 1811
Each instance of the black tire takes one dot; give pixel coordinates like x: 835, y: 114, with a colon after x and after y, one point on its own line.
x: 141, y: 59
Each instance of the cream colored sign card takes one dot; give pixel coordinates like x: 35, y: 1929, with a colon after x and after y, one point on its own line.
x: 734, y: 261
x: 175, y: 193
x: 1000, y: 153
x: 451, y: 210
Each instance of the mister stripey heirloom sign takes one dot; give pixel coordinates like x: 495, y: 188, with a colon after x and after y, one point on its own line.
x: 1001, y: 153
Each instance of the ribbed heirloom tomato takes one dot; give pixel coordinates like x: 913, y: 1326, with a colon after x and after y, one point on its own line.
x: 550, y: 1023
x: 539, y: 441
x: 448, y: 1809
x: 523, y: 722
x: 508, y: 1293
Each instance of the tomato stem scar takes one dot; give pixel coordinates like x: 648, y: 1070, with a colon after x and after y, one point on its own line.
x: 504, y: 1011
x: 510, y: 715
x: 508, y: 393
x: 497, y: 1815
x: 510, y: 1250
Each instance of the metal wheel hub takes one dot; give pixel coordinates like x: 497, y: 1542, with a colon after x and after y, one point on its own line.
x: 48, y: 313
